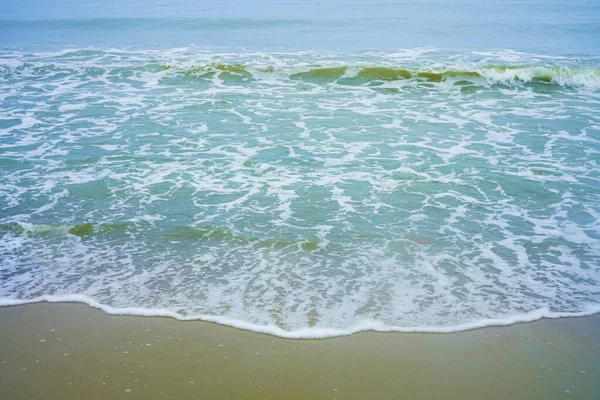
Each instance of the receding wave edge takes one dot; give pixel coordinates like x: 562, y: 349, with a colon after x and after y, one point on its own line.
x: 304, y: 333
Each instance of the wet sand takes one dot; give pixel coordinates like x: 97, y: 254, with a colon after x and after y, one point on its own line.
x: 70, y: 351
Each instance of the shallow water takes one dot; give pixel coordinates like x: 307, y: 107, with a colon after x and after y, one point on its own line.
x: 318, y: 190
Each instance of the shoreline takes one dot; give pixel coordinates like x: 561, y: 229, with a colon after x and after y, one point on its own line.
x: 65, y: 350
x: 303, y: 333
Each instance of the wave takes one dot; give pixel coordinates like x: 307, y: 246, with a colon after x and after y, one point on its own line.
x: 304, y: 333
x: 36, y: 230
x: 178, y: 233
x: 587, y: 77
x: 348, y: 74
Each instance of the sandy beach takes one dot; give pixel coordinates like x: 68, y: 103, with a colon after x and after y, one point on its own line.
x: 71, y: 351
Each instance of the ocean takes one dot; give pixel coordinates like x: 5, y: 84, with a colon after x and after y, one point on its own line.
x: 303, y: 169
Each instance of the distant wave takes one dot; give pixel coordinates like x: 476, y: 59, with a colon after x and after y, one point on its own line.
x: 587, y: 77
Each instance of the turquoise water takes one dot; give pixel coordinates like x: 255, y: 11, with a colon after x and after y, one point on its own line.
x: 303, y: 170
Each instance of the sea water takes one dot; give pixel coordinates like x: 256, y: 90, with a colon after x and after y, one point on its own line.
x: 304, y: 169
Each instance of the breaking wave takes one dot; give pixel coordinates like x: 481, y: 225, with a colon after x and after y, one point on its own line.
x: 300, y: 66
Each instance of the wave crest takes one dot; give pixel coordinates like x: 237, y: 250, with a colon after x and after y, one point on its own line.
x: 357, y: 75
x: 333, y: 69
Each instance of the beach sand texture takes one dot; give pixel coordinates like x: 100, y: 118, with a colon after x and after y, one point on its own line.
x: 70, y: 351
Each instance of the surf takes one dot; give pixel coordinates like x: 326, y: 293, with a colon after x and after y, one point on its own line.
x: 302, y: 194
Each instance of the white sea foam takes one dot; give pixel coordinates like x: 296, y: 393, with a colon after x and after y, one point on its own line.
x: 305, y: 333
x: 583, y: 77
